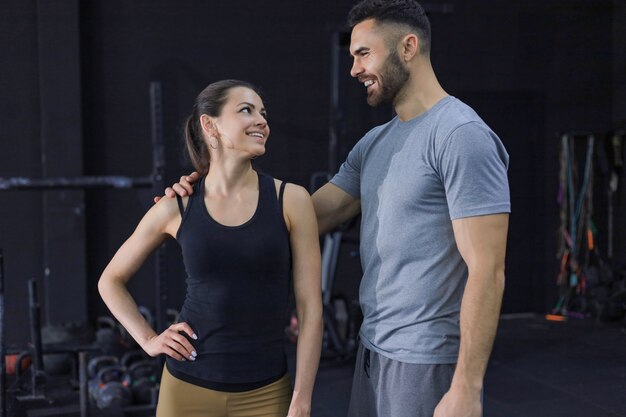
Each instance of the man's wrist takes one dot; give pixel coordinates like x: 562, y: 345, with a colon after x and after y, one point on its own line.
x: 464, y: 382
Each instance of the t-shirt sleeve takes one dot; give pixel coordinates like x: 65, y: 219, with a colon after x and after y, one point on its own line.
x: 473, y: 166
x: 349, y: 176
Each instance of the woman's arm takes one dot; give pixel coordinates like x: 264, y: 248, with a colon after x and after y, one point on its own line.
x: 159, y: 223
x: 308, y: 294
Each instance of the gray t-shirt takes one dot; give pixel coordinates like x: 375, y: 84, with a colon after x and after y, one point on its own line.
x: 413, y: 179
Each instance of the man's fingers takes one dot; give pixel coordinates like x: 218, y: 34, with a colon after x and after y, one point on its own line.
x: 186, y: 184
x: 156, y: 199
x: 179, y: 189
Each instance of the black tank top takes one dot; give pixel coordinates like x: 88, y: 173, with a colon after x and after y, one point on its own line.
x: 238, y: 283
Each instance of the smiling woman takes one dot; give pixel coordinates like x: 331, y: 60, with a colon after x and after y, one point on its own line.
x: 243, y: 236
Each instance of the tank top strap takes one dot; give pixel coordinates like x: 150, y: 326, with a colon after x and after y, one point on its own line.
x: 267, y: 194
x: 280, y: 195
x: 181, y: 208
x: 198, y: 194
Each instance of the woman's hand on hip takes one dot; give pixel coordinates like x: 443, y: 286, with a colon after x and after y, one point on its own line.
x: 173, y: 343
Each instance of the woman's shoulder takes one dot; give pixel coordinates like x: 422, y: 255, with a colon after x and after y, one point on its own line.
x: 167, y: 208
x: 292, y: 191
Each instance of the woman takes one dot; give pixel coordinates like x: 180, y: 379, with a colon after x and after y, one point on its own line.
x: 243, y: 235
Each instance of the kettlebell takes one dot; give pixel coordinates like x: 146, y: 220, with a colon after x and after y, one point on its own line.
x: 142, y: 381
x: 110, y: 388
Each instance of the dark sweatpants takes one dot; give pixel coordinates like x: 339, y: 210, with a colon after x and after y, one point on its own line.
x: 383, y: 387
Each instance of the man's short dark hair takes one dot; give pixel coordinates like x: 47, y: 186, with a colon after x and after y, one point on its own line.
x: 406, y: 12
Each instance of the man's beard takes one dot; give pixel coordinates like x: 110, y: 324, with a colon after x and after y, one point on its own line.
x: 394, y: 76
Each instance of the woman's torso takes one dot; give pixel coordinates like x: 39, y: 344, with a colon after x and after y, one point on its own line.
x: 238, y: 280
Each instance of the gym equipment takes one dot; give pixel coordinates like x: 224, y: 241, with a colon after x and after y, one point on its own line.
x: 155, y: 180
x: 141, y: 376
x: 587, y: 282
x: 109, y: 388
x: 109, y: 336
x: 107, y: 384
x: 38, y: 377
x: 80, y: 352
x: 63, y: 335
x: 15, y: 364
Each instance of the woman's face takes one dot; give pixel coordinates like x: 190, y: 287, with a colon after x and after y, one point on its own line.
x: 242, y: 126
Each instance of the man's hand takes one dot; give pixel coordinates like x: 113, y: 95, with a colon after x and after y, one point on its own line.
x: 183, y: 188
x: 299, y: 410
x: 459, y: 402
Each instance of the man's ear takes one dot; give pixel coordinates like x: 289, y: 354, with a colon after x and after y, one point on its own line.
x: 409, y: 47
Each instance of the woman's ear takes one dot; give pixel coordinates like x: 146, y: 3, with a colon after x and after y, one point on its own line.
x: 208, y: 125
x: 209, y: 130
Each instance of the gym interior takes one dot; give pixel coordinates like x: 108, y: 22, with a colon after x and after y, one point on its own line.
x: 95, y: 96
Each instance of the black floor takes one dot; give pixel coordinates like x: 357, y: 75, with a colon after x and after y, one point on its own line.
x: 538, y: 369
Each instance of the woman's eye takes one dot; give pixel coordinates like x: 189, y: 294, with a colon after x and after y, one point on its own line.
x: 245, y: 110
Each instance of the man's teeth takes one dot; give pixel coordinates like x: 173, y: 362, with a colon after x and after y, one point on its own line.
x: 368, y: 83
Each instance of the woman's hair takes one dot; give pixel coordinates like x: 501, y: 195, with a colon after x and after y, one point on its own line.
x: 210, y: 102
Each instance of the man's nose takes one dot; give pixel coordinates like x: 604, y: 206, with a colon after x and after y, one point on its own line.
x: 356, y: 69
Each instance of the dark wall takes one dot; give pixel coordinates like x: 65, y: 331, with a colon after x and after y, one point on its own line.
x: 530, y: 70
x: 20, y: 155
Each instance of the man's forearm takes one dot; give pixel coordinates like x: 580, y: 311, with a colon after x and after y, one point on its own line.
x: 480, y: 310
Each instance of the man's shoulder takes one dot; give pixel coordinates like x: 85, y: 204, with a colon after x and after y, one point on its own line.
x: 456, y: 113
x: 375, y: 134
x: 457, y: 116
x: 376, y: 131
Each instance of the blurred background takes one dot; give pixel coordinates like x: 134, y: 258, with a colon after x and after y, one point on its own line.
x: 98, y: 88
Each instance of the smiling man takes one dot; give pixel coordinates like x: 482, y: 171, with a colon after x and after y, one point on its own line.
x: 432, y: 187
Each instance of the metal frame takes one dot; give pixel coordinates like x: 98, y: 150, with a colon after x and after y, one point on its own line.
x: 154, y: 181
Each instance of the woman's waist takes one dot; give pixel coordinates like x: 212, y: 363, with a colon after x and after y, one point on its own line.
x: 234, y: 309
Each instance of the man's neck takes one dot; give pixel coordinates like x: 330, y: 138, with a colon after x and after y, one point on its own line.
x: 421, y: 93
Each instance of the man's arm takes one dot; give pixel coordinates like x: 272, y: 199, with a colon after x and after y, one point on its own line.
x: 333, y: 206
x: 482, y: 243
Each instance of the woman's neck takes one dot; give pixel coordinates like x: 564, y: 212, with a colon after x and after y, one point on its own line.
x: 226, y: 177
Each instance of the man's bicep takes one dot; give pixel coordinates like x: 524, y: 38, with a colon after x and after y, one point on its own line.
x: 481, y: 240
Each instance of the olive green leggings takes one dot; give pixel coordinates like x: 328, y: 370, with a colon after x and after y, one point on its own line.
x: 182, y: 399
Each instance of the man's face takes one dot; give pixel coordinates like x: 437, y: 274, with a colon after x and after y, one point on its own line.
x: 379, y: 69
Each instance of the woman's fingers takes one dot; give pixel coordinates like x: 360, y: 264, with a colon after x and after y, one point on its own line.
x: 173, y: 353
x: 174, y: 343
x: 184, y: 327
x: 180, y: 343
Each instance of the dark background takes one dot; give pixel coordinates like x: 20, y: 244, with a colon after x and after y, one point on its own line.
x: 74, y: 79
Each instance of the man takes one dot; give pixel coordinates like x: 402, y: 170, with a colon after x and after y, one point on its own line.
x: 432, y: 188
